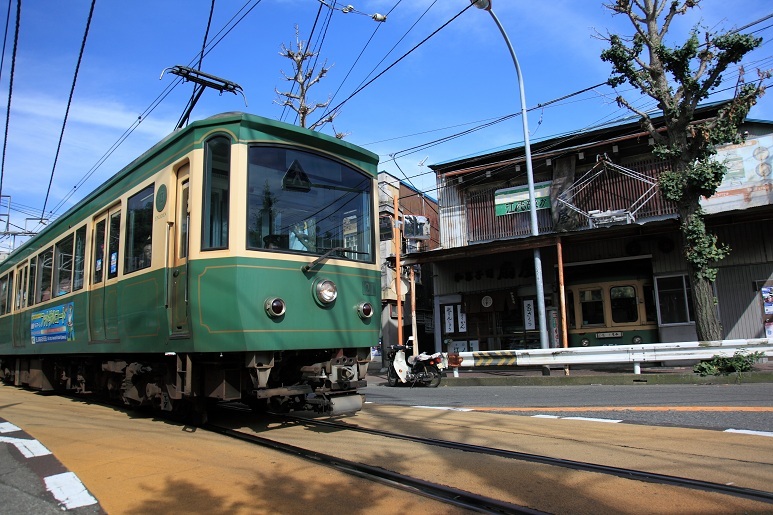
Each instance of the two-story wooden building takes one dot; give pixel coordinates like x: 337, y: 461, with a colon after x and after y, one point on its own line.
x: 612, y: 259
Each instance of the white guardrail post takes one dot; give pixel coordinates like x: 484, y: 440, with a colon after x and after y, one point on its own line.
x: 635, y: 354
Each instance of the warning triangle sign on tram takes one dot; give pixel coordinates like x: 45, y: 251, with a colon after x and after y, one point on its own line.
x: 295, y: 179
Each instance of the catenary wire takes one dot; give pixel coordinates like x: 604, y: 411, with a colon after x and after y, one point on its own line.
x: 67, y: 110
x: 10, y: 93
x: 358, y: 90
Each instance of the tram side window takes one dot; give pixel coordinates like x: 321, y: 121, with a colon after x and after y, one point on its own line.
x: 63, y: 266
x: 624, y: 304
x: 32, y: 280
x: 79, y: 260
x: 112, y: 245
x: 5, y: 306
x: 649, y: 303
x: 592, y: 307
x: 570, y: 316
x: 9, y: 293
x: 674, y: 300
x: 217, y: 177
x: 139, y: 230
x: 21, y: 288
x: 99, y: 251
x: 45, y: 275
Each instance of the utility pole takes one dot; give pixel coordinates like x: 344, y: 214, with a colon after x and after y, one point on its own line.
x: 398, y: 273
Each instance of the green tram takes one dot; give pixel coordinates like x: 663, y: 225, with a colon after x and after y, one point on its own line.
x: 236, y: 260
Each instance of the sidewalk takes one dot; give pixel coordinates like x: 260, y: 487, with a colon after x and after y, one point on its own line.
x: 581, y: 375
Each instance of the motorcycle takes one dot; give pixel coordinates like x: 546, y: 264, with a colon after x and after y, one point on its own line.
x: 424, y: 369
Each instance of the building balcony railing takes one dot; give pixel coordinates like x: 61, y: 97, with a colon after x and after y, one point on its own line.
x: 610, y: 192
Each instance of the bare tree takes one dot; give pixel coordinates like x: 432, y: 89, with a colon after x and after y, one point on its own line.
x: 304, y: 78
x: 678, y: 79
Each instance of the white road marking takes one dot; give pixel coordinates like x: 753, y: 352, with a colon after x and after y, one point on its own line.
x: 443, y: 408
x: 7, y: 427
x: 69, y: 490
x: 29, y: 448
x: 588, y: 419
x: 749, y: 432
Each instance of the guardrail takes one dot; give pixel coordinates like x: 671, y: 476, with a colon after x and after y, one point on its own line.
x: 634, y: 354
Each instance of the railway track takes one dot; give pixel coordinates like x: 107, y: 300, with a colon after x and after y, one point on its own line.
x: 438, y: 492
x: 639, y: 475
x: 456, y: 496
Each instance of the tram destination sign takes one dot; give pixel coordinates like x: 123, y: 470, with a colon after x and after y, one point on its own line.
x: 513, y: 200
x: 610, y: 334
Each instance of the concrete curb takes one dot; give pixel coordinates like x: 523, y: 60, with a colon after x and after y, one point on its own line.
x: 604, y: 379
x: 532, y: 376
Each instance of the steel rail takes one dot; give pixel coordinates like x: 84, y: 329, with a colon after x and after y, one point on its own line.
x: 638, y: 475
x: 417, y: 486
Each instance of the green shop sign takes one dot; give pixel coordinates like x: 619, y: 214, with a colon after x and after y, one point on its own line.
x: 509, y: 201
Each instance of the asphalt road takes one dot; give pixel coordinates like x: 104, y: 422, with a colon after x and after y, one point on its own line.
x: 719, y: 407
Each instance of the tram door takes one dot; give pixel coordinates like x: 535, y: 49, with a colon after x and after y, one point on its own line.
x: 103, y: 299
x: 178, y: 280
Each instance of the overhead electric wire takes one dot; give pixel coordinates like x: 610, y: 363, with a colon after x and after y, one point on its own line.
x: 311, y: 34
x: 358, y: 90
x: 155, y: 103
x: 69, y: 103
x: 316, y: 50
x: 5, y: 39
x: 367, y: 43
x: 197, y: 87
x: 10, y: 93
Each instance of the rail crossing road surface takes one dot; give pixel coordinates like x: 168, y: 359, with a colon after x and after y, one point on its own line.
x: 723, y: 407
x: 137, y: 464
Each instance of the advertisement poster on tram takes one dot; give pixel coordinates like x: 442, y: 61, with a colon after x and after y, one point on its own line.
x: 54, y: 324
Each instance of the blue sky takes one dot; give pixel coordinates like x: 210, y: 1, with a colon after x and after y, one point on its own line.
x: 458, y: 79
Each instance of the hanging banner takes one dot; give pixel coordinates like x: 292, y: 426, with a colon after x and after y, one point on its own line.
x: 509, y: 201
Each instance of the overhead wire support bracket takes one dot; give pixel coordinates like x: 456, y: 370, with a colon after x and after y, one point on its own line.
x: 204, y: 80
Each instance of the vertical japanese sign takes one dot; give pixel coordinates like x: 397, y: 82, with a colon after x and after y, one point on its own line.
x: 462, y: 319
x: 528, y: 315
x: 449, y: 319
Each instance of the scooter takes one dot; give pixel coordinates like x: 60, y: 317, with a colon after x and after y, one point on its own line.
x: 424, y: 369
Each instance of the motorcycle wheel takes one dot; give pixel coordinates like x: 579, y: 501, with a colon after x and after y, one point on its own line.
x: 433, y: 376
x: 392, y: 379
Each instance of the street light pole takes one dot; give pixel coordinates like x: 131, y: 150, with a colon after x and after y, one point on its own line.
x: 543, y: 331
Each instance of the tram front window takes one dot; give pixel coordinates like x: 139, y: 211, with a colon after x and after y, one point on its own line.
x: 303, y: 202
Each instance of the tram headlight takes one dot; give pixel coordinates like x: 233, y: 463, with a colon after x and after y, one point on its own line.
x: 326, y: 291
x: 365, y: 310
x: 275, y: 307
x: 636, y: 340
x: 585, y: 342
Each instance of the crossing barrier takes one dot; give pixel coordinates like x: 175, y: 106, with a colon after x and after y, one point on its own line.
x: 634, y: 354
